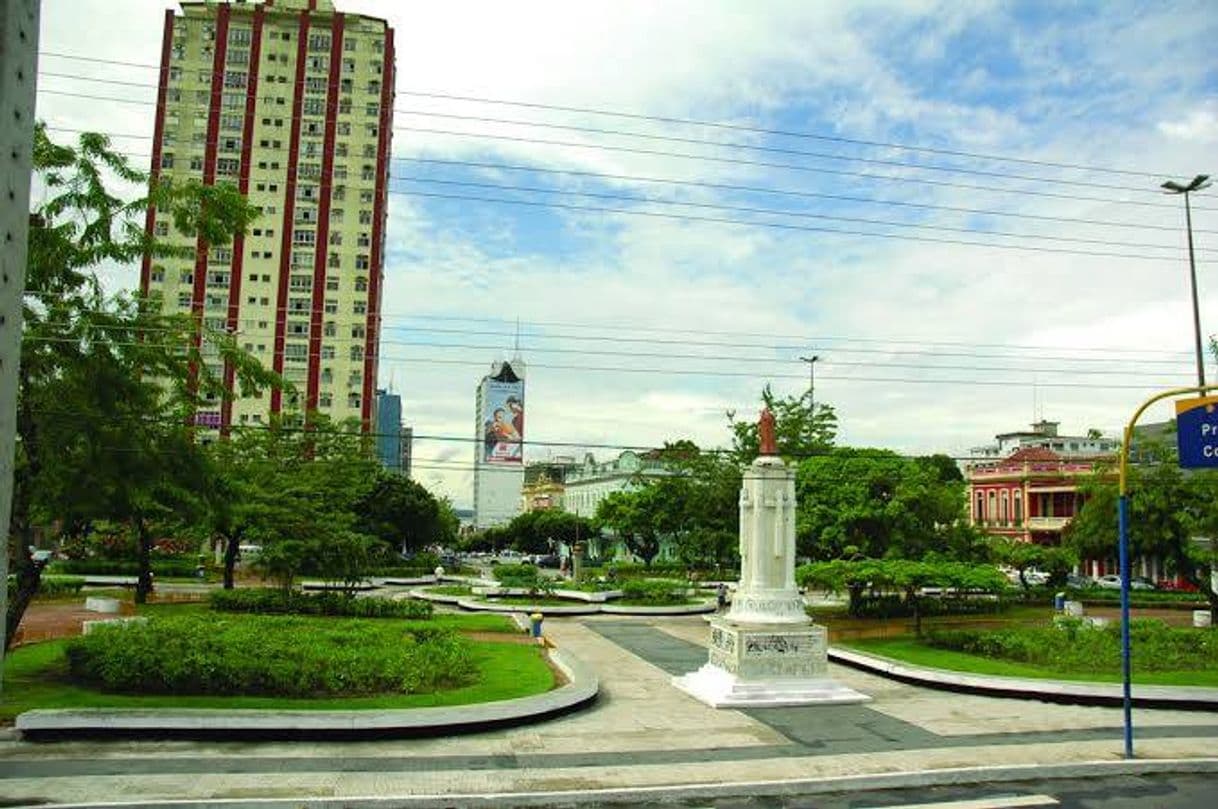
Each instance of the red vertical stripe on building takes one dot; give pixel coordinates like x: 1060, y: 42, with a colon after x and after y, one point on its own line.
x: 372, y: 337
x: 158, y: 133
x: 289, y: 208
x: 323, y: 214
x: 243, y: 185
x: 209, y: 175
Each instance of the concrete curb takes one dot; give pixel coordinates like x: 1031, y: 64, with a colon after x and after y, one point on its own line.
x: 1057, y: 691
x: 680, y: 609
x: 547, y: 610
x: 849, y: 784
x: 581, y: 690
x: 589, y: 608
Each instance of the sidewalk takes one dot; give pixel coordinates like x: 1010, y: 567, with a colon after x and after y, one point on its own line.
x: 640, y: 733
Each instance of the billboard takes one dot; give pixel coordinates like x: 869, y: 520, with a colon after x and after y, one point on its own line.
x: 503, y: 422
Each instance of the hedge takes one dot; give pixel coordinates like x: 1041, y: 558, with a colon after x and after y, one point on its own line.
x: 50, y: 586
x: 270, y: 655
x: 274, y: 601
x: 1076, y: 645
x: 654, y: 591
x: 516, y: 575
x: 166, y: 568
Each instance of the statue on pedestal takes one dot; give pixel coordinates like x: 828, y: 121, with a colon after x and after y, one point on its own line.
x: 765, y: 650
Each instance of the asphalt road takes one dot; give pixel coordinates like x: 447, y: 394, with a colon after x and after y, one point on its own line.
x: 1121, y: 792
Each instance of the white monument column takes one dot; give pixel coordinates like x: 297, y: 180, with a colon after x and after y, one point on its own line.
x: 766, y: 651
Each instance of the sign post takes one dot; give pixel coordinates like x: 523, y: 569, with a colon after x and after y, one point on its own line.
x: 1197, y: 442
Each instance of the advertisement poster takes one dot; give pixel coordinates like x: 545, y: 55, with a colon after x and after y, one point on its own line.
x: 503, y: 423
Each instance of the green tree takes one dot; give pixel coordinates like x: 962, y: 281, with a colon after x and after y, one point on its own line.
x: 403, y: 514
x: 798, y: 432
x: 108, y: 382
x: 629, y: 515
x: 876, y: 503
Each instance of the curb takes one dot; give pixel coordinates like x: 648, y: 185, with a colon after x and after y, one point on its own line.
x: 1057, y: 691
x: 849, y: 784
x: 70, y: 723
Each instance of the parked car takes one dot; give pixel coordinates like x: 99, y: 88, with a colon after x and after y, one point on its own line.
x: 1079, y: 582
x: 1109, y: 582
x: 1141, y: 583
x: 548, y: 560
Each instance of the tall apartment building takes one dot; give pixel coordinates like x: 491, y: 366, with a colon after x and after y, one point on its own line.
x: 292, y: 101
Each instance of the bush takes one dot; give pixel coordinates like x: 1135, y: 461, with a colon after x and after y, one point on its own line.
x: 654, y: 591
x: 894, y: 606
x: 274, y: 601
x: 274, y: 656
x: 517, y: 575
x: 50, y: 586
x: 181, y: 567
x: 1078, y: 646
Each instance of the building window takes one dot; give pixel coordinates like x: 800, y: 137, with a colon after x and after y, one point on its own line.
x: 1018, y: 498
x: 1004, y: 511
x: 991, y: 510
x: 361, y: 284
x: 327, y: 352
x: 303, y: 237
x: 325, y: 400
x: 357, y: 353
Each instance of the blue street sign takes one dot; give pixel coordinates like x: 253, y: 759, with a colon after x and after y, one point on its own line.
x: 1197, y: 432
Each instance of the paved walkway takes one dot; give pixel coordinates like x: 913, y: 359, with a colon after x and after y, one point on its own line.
x: 642, y: 732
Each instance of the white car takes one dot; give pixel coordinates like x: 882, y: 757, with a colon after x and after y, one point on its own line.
x: 1110, y: 582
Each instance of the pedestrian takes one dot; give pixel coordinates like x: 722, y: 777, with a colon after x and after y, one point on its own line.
x: 721, y: 595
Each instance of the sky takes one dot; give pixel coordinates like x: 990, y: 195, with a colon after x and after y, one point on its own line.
x: 860, y: 151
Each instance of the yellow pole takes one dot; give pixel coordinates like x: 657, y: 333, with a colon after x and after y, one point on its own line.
x: 1128, y: 437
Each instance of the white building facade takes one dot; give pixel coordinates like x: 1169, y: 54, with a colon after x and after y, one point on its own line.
x: 499, y: 444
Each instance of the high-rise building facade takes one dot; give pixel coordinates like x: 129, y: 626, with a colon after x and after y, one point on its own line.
x: 499, y: 444
x: 389, y: 429
x: 291, y: 101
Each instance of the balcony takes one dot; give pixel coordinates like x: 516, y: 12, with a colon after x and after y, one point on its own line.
x: 1048, y: 523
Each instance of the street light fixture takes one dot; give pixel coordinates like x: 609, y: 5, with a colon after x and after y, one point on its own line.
x: 811, y: 382
x: 1172, y: 187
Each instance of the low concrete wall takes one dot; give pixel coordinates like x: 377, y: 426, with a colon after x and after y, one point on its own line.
x: 1059, y: 691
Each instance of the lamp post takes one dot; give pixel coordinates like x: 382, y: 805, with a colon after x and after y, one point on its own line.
x: 811, y: 383
x: 1172, y: 187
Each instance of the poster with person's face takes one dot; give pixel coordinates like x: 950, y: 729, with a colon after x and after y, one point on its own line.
x: 503, y: 423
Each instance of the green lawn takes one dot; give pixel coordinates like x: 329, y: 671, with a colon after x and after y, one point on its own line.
x: 35, y: 676
x: 909, y: 650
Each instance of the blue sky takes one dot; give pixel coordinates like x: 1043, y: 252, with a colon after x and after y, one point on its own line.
x: 924, y: 345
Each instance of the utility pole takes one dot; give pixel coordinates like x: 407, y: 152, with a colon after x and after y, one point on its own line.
x: 18, y: 63
x: 1172, y: 187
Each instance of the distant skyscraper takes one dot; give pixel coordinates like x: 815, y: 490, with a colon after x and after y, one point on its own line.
x: 292, y: 102
x: 389, y: 429
x: 499, y: 444
x: 407, y: 449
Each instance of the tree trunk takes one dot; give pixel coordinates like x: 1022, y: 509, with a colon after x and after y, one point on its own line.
x: 143, y: 584
x: 29, y: 576
x: 232, y: 545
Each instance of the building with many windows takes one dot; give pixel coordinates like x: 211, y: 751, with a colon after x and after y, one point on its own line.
x: 291, y: 101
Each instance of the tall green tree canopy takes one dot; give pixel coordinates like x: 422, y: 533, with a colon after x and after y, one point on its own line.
x: 798, y: 431
x: 876, y: 503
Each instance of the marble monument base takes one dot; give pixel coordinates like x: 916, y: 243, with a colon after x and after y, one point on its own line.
x: 758, y: 665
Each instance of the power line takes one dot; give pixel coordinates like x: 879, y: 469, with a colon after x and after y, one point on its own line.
x: 360, y: 341
x: 699, y: 123
x: 777, y: 212
x: 740, y: 162
x: 806, y: 341
x: 784, y: 226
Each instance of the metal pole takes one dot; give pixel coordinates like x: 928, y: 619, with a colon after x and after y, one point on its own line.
x: 18, y: 62
x: 1123, y: 550
x: 1192, y: 277
x: 1126, y: 665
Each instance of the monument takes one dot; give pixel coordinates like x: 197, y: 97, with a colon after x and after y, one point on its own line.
x: 765, y: 651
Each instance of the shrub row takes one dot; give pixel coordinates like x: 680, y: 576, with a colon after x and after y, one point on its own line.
x: 175, y: 568
x: 655, y: 591
x: 270, y: 655
x: 516, y: 575
x: 894, y: 606
x: 1075, y: 645
x: 50, y: 586
x: 274, y: 601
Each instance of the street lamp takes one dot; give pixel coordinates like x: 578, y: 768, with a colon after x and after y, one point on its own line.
x: 1172, y: 187
x: 811, y: 382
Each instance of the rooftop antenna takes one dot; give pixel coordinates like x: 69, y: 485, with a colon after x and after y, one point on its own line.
x: 516, y: 345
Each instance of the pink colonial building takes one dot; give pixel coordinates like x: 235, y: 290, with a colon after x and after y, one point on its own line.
x: 1026, y: 487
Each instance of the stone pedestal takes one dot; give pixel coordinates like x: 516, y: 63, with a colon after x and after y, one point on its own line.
x: 766, y: 665
x: 765, y: 651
